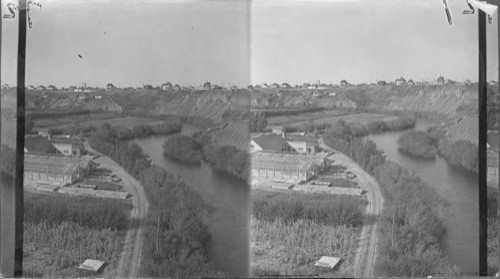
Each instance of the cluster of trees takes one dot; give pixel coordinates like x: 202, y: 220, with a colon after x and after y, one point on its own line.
x: 418, y: 143
x: 290, y: 207
x: 413, y: 212
x: 183, y: 148
x: 194, y: 149
x: 228, y: 159
x: 461, y: 153
x: 257, y: 122
x: 176, y: 228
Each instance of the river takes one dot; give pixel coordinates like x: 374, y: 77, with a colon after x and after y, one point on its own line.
x: 230, y: 197
x: 455, y: 184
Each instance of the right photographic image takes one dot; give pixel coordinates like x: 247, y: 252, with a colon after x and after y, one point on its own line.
x: 375, y: 126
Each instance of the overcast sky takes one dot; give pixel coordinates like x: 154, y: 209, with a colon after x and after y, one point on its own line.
x: 190, y: 42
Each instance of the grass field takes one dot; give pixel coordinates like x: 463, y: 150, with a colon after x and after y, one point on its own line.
x: 331, y: 117
x: 96, y: 120
x: 290, y: 231
x: 234, y: 134
x: 291, y: 119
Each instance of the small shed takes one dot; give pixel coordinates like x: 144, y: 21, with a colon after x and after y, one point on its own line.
x: 91, y: 265
x: 328, y: 262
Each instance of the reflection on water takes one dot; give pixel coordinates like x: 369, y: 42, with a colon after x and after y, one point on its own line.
x: 229, y: 246
x: 457, y: 185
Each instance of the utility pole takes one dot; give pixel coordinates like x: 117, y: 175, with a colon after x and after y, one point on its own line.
x: 483, y: 207
x: 11, y: 211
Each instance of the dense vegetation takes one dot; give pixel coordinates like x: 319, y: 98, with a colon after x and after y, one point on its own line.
x: 183, y: 148
x: 461, y: 153
x: 257, y: 122
x: 322, y: 209
x: 61, y: 232
x: 228, y: 159
x: 418, y: 143
x: 176, y: 228
x: 290, y: 231
x: 412, y: 219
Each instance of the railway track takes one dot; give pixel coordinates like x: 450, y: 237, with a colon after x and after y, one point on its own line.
x: 130, y: 258
x: 367, y: 249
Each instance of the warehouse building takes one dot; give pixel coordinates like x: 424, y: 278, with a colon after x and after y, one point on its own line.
x: 55, y: 169
x: 285, y: 166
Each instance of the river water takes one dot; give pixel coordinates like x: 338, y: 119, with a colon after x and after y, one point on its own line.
x: 230, y: 197
x: 455, y: 184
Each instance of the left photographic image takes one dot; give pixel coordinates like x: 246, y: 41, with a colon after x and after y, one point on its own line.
x: 124, y: 137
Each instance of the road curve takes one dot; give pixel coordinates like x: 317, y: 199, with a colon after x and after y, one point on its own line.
x: 130, y: 258
x: 367, y: 249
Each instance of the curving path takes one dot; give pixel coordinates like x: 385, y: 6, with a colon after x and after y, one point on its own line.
x: 130, y: 258
x: 367, y: 249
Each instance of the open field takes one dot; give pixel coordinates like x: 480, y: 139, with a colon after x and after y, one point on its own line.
x: 61, y: 232
x: 466, y: 129
x: 95, y: 120
x: 316, y: 116
x: 292, y: 249
x: 331, y: 117
x: 234, y: 134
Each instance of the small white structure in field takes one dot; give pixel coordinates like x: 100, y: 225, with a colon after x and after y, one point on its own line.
x: 92, y: 265
x: 326, y: 261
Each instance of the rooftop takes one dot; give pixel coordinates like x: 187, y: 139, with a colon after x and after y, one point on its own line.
x: 54, y: 163
x: 284, y: 161
x: 270, y: 142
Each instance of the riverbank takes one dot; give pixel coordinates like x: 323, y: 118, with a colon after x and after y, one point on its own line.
x: 455, y: 185
x: 403, y: 194
x: 171, y: 202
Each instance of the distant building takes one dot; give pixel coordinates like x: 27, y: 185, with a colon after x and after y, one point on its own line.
x: 234, y: 88
x: 440, y: 81
x: 68, y: 147
x: 400, y: 81
x: 52, y: 88
x: 269, y: 143
x: 110, y: 86
x: 166, y: 86
x: 275, y: 85
x: 286, y: 85
x: 55, y: 169
x: 344, y: 83
x: 41, y: 87
x: 305, y: 85
x: 31, y: 87
x: 410, y: 82
x: 39, y: 145
x: 492, y: 82
x: 98, y: 97
x: 207, y: 86
x: 302, y: 143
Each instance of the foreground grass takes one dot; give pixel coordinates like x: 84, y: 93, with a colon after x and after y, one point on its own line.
x: 292, y: 249
x: 291, y: 231
x: 60, y: 232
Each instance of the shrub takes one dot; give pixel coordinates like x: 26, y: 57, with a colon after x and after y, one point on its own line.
x: 183, y: 148
x: 418, y: 143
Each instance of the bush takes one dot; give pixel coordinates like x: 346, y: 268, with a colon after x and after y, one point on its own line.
x: 418, y: 143
x: 229, y: 159
x: 460, y: 153
x: 183, y: 148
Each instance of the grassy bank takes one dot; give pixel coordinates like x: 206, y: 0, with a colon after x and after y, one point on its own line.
x: 290, y: 231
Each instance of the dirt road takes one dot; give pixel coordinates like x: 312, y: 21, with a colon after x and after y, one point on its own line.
x: 130, y: 258
x: 367, y: 249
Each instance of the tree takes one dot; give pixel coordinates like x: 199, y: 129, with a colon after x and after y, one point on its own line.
x: 257, y: 122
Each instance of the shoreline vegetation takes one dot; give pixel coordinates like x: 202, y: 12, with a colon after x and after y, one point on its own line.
x: 193, y: 150
x: 412, y: 221
x: 428, y: 144
x: 177, y: 214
